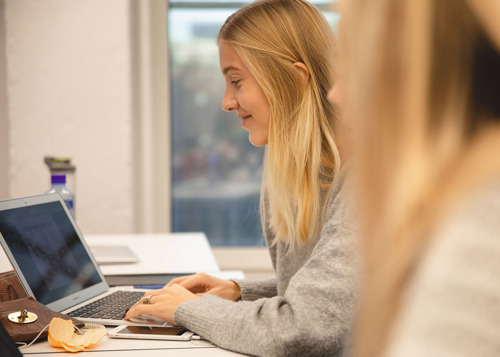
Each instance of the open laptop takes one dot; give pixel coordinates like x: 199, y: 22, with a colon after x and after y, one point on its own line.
x: 55, y: 265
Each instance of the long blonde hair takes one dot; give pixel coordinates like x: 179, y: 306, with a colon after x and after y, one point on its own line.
x: 421, y: 82
x: 302, y: 156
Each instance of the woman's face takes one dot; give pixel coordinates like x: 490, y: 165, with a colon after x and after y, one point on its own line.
x: 244, y: 95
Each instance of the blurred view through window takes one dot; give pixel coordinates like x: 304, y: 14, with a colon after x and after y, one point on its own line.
x: 216, y: 172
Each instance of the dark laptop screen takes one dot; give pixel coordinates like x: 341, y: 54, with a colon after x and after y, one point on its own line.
x: 48, y: 250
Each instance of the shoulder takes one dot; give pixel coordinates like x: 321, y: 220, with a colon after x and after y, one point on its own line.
x: 340, y: 232
x: 341, y: 210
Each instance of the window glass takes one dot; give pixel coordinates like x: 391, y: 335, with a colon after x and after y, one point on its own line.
x: 216, y: 172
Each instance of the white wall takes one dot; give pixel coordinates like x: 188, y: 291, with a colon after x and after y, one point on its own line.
x: 4, y: 129
x: 72, y: 84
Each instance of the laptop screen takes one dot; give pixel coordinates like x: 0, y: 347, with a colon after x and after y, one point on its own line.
x: 48, y: 250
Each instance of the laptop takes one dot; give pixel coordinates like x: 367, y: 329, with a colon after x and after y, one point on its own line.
x: 56, y: 266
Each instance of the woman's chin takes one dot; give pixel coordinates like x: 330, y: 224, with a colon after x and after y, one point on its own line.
x: 257, y: 141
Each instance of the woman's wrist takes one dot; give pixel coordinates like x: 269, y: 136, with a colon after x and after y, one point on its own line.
x: 236, y: 291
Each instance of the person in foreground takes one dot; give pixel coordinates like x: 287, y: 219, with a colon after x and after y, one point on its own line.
x: 423, y: 92
x: 278, y: 60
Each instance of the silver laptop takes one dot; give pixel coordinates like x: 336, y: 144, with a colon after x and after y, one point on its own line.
x: 56, y: 266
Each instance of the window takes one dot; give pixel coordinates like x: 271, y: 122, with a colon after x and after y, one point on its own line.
x: 216, y: 172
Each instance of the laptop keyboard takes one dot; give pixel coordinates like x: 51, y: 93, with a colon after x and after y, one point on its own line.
x: 111, y: 307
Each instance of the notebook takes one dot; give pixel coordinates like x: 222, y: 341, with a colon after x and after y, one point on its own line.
x: 56, y: 266
x: 112, y: 254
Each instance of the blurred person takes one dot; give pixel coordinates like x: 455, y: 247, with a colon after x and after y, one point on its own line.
x: 278, y: 59
x: 422, y: 86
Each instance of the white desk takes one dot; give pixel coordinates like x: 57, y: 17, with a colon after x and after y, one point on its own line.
x: 157, y: 253
x: 110, y: 347
x: 160, y: 253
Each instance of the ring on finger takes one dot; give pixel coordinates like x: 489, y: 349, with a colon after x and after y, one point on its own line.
x: 147, y: 299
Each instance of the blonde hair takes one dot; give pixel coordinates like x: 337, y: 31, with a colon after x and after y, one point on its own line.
x: 421, y: 82
x: 302, y: 157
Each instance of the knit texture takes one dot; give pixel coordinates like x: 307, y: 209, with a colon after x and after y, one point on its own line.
x: 452, y: 306
x: 307, y: 310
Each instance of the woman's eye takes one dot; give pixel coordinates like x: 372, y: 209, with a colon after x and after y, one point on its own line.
x: 235, y: 82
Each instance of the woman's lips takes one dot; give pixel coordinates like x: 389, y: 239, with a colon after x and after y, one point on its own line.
x: 244, y: 119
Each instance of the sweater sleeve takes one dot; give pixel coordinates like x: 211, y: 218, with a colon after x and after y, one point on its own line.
x: 312, y: 318
x: 254, y: 289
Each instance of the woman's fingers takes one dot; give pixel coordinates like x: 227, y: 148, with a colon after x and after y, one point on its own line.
x: 147, y: 293
x: 161, y: 303
x: 202, y: 283
x: 207, y: 284
x: 198, y: 283
x: 139, y: 310
x: 190, y: 282
x: 178, y: 280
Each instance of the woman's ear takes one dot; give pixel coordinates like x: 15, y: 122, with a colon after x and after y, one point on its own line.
x: 304, y: 72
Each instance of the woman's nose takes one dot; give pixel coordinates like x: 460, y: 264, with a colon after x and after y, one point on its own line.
x: 336, y: 94
x: 229, y: 102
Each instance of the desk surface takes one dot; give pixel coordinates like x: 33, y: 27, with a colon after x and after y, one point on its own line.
x: 157, y: 253
x: 111, y: 347
x: 160, y: 253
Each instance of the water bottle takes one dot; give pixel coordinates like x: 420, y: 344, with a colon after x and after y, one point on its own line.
x: 59, y: 186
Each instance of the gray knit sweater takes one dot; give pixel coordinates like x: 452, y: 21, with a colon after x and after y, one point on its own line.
x: 452, y: 306
x: 306, y: 310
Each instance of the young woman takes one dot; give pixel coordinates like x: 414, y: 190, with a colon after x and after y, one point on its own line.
x: 278, y: 60
x: 423, y: 94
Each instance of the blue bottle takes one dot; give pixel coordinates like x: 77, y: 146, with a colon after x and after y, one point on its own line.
x: 59, y: 186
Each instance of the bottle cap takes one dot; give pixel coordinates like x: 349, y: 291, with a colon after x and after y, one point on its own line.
x: 58, y: 179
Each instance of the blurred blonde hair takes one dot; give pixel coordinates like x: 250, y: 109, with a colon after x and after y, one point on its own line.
x: 422, y: 77
x: 302, y: 155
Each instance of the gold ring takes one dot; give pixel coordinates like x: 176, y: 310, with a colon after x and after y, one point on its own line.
x: 147, y: 299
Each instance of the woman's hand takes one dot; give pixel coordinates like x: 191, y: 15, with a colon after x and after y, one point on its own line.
x: 162, y: 303
x: 201, y: 284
